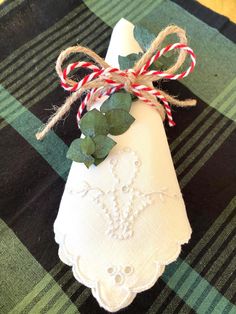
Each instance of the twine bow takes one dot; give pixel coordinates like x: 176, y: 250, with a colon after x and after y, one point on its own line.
x: 105, y: 80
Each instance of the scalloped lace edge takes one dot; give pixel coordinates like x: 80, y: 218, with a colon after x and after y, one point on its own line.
x: 69, y: 260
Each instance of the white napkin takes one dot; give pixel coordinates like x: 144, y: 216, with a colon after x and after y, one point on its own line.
x: 121, y: 222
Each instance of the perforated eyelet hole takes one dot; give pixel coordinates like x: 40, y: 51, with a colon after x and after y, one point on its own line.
x: 110, y: 270
x: 127, y: 270
x: 125, y: 188
x: 118, y: 278
x: 137, y: 163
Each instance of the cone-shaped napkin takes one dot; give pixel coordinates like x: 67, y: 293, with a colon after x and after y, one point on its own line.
x: 121, y: 222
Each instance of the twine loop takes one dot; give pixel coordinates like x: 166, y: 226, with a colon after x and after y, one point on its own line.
x: 105, y: 80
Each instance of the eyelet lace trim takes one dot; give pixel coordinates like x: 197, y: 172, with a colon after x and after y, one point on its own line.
x: 121, y: 205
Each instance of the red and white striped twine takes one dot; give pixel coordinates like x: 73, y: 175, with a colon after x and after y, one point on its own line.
x: 136, y: 88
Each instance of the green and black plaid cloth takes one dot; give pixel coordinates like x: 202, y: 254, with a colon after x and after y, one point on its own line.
x: 33, y: 174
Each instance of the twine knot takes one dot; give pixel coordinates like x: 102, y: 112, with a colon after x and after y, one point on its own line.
x: 130, y: 80
x: 105, y: 80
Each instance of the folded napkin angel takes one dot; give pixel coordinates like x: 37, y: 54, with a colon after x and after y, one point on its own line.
x: 121, y: 222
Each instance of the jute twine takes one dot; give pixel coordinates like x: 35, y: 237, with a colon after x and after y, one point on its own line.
x: 104, y: 80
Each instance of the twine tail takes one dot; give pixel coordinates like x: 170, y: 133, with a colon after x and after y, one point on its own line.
x: 61, y: 111
x: 179, y: 103
x: 105, y: 80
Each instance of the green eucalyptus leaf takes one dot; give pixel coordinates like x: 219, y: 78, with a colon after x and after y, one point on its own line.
x: 93, y: 123
x: 103, y: 146
x: 129, y: 61
x: 143, y: 36
x: 157, y: 65
x: 89, y: 161
x: 120, y: 100
x: 119, y: 121
x: 76, y: 153
x: 97, y: 161
x: 87, y: 146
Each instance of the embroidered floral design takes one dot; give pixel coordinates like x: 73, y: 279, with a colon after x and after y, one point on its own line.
x: 123, y: 202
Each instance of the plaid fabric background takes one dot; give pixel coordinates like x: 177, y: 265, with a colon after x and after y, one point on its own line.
x: 33, y: 174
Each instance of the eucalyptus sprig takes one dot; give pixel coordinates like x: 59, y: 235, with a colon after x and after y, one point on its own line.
x: 113, y: 118
x: 144, y: 37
